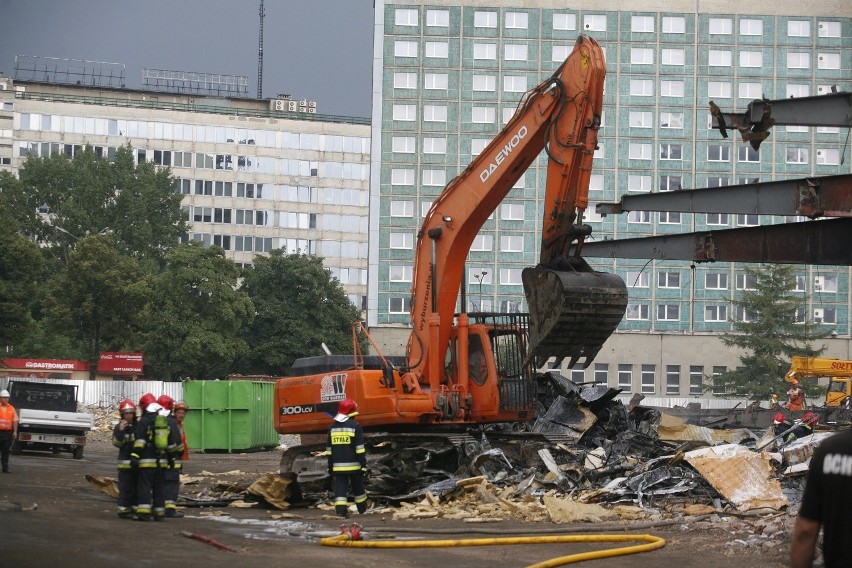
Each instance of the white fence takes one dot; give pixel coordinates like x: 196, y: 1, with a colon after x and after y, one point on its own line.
x: 107, y: 394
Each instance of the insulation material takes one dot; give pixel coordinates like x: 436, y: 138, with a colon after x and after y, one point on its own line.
x: 569, y: 511
x: 800, y: 451
x: 743, y: 477
x: 274, y: 488
x: 674, y: 429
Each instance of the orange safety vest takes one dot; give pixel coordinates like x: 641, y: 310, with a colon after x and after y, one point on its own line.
x: 8, y: 417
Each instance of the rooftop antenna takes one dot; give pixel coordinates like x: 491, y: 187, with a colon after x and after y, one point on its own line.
x: 260, y: 56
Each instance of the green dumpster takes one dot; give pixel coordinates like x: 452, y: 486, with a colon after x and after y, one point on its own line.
x: 233, y: 416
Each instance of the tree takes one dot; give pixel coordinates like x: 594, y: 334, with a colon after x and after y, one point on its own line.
x: 771, y: 332
x: 299, y: 306
x: 20, y: 266
x: 192, y: 323
x: 99, y: 297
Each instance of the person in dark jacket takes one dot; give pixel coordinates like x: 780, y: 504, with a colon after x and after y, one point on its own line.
x: 153, y: 461
x: 123, y: 436
x: 172, y: 472
x: 347, y: 459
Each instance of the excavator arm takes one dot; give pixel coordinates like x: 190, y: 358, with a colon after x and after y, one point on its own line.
x: 561, y: 116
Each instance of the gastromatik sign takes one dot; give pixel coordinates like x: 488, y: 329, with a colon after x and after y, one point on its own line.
x: 45, y: 365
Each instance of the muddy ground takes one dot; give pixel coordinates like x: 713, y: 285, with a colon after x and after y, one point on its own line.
x: 63, y: 517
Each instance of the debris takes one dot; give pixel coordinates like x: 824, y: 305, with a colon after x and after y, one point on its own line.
x: 274, y: 488
x: 105, y: 485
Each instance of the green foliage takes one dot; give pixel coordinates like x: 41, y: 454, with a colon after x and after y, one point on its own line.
x: 299, y: 306
x: 192, y: 323
x: 20, y: 266
x: 772, y: 335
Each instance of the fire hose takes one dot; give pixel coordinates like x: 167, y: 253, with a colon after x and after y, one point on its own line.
x: 352, y: 538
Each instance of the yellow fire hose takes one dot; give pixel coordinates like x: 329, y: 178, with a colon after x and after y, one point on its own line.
x: 652, y: 543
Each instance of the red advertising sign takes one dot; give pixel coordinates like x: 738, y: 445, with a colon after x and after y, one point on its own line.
x: 46, y: 365
x: 120, y: 363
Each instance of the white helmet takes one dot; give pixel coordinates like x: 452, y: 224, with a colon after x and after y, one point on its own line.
x: 4, y: 393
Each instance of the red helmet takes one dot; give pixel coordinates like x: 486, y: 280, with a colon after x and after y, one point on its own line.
x: 810, y: 419
x: 778, y: 418
x: 146, y: 399
x: 166, y: 402
x: 181, y: 406
x: 126, y: 406
x: 795, y: 382
x: 348, y: 406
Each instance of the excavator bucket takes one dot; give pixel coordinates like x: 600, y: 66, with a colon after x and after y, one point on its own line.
x: 573, y: 311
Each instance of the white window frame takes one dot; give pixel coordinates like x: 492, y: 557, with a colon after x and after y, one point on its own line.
x: 672, y: 380
x: 666, y: 182
x: 436, y: 81
x: 751, y: 27
x: 668, y: 312
x: 516, y: 20
x: 401, y: 241
x: 669, y: 151
x: 638, y: 279
x: 828, y: 29
x: 641, y: 119
x: 798, y: 28
x: 625, y: 376
x: 437, y: 18
x: 435, y: 145
x: 718, y: 153
x: 671, y: 88
x: 745, y: 281
x: 437, y: 50
x: 720, y: 26
x: 515, y: 83
x: 403, y: 144
x: 404, y: 48
x: 564, y: 22
x: 639, y: 217
x: 515, y: 52
x: 671, y: 119
x: 751, y: 59
x: 482, y: 243
x: 637, y: 312
x: 510, y: 276
x: 404, y: 306
x: 747, y: 154
x: 401, y: 208
x: 828, y: 61
x: 400, y: 272
x: 405, y: 113
x: 715, y: 280
x: 795, y: 90
x: 648, y: 379
x: 797, y: 155
x: 484, y: 83
x: 668, y: 279
x: 485, y: 51
x: 673, y: 56
x: 402, y: 176
x: 433, y: 178
x: 640, y: 151
x: 714, y: 313
x: 641, y: 87
x: 483, y: 115
x: 747, y: 220
x: 674, y: 25
x: 642, y: 24
x: 434, y: 113
x: 719, y: 89
x: 641, y: 56
x: 485, y: 19
x: 512, y: 211
x: 404, y: 80
x: 511, y: 243
x: 750, y: 91
x: 637, y: 183
x: 405, y: 17
x: 594, y: 22
x: 719, y: 58
x: 559, y: 53
x: 798, y: 60
x: 669, y: 217
x: 828, y: 156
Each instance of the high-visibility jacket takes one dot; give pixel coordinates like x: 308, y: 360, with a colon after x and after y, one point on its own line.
x: 8, y: 417
x: 144, y: 448
x: 345, y: 450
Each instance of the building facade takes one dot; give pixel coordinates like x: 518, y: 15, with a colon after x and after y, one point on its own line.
x: 448, y: 76
x: 255, y: 175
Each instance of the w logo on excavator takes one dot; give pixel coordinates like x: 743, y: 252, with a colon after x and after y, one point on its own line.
x: 333, y: 387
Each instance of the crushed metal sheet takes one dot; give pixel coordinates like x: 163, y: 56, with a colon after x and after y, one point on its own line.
x: 565, y: 417
x: 740, y: 475
x: 675, y: 429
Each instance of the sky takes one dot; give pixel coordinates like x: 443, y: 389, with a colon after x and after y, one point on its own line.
x: 319, y: 50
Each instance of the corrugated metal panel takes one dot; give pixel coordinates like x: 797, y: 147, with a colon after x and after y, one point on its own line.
x: 705, y: 402
x: 107, y: 394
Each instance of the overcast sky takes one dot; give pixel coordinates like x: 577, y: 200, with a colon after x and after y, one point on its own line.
x: 315, y: 49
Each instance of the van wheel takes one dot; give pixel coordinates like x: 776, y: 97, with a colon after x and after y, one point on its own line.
x: 78, y: 452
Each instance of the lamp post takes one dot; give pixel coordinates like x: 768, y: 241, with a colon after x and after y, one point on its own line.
x: 480, y: 277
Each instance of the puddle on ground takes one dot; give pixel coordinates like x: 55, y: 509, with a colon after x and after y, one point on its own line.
x: 280, y: 529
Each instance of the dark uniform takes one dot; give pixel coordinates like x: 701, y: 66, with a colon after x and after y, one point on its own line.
x: 123, y: 438
x: 153, y: 464
x: 171, y: 475
x: 347, y: 459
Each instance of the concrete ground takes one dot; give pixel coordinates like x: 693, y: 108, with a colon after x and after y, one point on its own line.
x: 77, y: 526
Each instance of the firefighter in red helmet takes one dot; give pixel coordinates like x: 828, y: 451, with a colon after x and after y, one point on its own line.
x: 156, y: 445
x: 175, y: 461
x: 123, y: 437
x: 347, y: 458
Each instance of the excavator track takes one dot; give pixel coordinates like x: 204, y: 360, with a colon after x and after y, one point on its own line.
x: 573, y: 311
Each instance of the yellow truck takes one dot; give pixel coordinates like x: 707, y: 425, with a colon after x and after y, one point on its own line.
x: 838, y: 372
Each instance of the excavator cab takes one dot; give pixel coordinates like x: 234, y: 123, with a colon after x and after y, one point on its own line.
x: 573, y: 310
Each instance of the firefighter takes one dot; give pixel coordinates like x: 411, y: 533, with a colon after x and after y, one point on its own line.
x: 155, y: 442
x: 172, y: 472
x: 347, y: 458
x: 123, y: 436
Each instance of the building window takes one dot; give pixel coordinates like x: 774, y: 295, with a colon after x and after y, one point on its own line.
x: 671, y: 119
x: 625, y: 377
x: 515, y: 83
x: 485, y: 19
x: 512, y: 211
x: 642, y: 23
x: 750, y: 91
x: 601, y: 375
x: 639, y: 183
x: 827, y: 283
x: 406, y: 113
x: 674, y: 24
x: 719, y: 58
x: 668, y: 280
x: 715, y: 313
x: 718, y: 153
x: 405, y: 80
x: 559, y: 53
x: 720, y: 26
x: 401, y: 241
x: 437, y: 18
x: 797, y: 155
x: 639, y: 151
x: 637, y: 312
x: 673, y: 56
x: 717, y: 181
x: 477, y: 145
x: 649, y: 379
x: 405, y: 17
x: 437, y: 49
x: 434, y: 145
x: 517, y: 20
x: 399, y: 273
x: 642, y: 87
x: 637, y: 279
x: 798, y: 90
x: 482, y: 243
x: 594, y: 23
x: 436, y: 81
x: 640, y: 119
x: 799, y: 28
x: 564, y: 22
x: 401, y: 209
x: 641, y: 56
x: 696, y: 379
x: 434, y: 178
x: 751, y: 27
x: 751, y: 59
x: 434, y: 113
x: 483, y: 115
x: 403, y: 144
x: 798, y: 60
x: 511, y: 243
x: 672, y: 380
x: 719, y: 89
x: 825, y: 315
x: 748, y: 220
x: 669, y: 218
x: 716, y: 281
x: 487, y: 51
x: 828, y: 61
x: 515, y: 52
x: 748, y: 154
x: 671, y: 88
x: 643, y: 217
x: 510, y: 276
x: 399, y: 305
x: 668, y: 312
x: 484, y: 83
x: 745, y: 282
x: 405, y: 48
x: 402, y: 176
x: 741, y: 314
x: 828, y: 29
x: 671, y: 152
x: 718, y: 385
x: 828, y: 156
x: 670, y: 183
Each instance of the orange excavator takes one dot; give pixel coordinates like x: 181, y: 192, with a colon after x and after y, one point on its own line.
x: 468, y: 369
